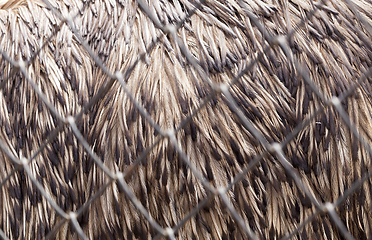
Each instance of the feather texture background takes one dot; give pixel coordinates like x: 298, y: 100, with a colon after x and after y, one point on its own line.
x: 332, y: 46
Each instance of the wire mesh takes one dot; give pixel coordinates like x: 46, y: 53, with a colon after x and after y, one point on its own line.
x: 171, y: 32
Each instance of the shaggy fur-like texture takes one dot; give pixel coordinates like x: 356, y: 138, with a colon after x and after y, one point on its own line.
x: 332, y: 46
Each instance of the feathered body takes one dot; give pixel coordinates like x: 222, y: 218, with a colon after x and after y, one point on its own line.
x: 332, y: 46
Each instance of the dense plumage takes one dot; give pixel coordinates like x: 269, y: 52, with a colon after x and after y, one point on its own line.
x: 333, y: 47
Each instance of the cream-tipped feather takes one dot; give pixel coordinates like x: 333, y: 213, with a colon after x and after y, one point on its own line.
x: 332, y: 46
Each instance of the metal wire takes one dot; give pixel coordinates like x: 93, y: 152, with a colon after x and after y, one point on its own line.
x: 69, y: 122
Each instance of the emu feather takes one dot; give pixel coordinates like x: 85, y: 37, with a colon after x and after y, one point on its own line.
x: 333, y: 47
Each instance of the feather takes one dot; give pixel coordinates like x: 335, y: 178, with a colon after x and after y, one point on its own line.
x: 333, y: 47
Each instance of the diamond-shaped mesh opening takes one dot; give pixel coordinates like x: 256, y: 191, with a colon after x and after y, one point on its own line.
x: 185, y: 119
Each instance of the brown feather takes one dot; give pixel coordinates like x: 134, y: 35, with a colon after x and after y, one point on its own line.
x: 333, y: 47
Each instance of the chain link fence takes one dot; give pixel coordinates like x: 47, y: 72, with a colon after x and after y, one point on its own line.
x: 70, y: 124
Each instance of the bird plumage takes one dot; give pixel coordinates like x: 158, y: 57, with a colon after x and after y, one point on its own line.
x: 333, y: 47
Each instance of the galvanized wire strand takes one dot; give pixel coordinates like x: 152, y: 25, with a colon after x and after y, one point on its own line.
x: 56, y: 29
x: 81, y: 209
x: 71, y: 121
x: 330, y: 208
x: 191, y: 214
x: 76, y: 225
x: 55, y: 230
x: 121, y: 79
x: 22, y: 67
x: 18, y: 167
x: 355, y: 186
x: 23, y: 70
x: 361, y: 19
x: 282, y: 43
x: 140, y: 108
x: 3, y: 236
x: 337, y: 105
x: 246, y: 123
x: 23, y: 163
x: 217, y: 89
x: 297, y: 129
x: 172, y: 137
x: 10, y: 155
x: 87, y: 148
x: 170, y: 134
x: 138, y: 204
x: 246, y: 169
x: 335, y: 101
x: 235, y: 214
x: 59, y: 210
x: 277, y: 149
x: 302, y: 224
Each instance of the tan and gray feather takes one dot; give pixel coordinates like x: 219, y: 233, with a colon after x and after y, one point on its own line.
x: 333, y: 47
